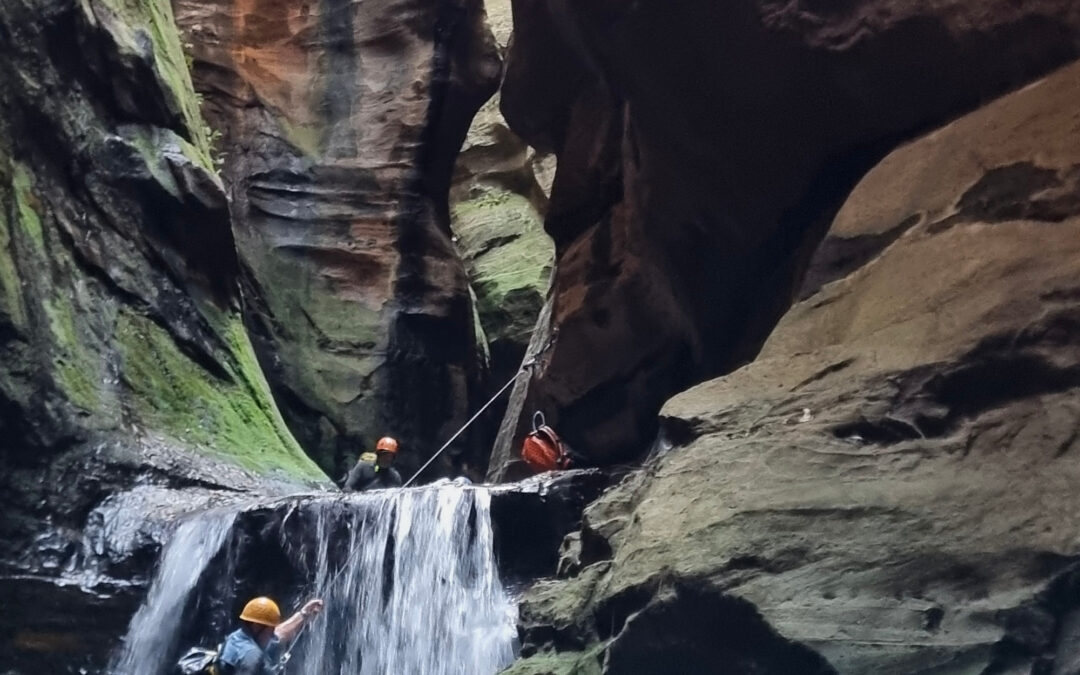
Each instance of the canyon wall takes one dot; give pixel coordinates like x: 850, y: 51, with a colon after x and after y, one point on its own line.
x: 128, y: 384
x: 703, y: 149
x: 340, y: 123
x: 889, y: 487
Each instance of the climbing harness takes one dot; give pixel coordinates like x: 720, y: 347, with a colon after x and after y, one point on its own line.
x: 527, y: 366
x: 542, y: 449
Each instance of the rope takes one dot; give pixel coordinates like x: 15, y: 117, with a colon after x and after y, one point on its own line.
x: 466, y: 426
x: 525, y: 367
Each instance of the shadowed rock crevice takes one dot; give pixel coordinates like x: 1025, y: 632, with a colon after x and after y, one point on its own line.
x: 692, y: 629
x: 1020, y: 191
x: 692, y: 190
x: 890, y: 483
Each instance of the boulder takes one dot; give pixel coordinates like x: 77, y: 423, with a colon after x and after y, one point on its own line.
x: 890, y: 485
x: 339, y: 124
x: 703, y: 149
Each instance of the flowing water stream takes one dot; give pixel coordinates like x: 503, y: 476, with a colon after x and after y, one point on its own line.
x: 155, y: 628
x: 409, y: 579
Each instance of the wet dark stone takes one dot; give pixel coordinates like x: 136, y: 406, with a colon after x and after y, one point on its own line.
x: 531, y: 518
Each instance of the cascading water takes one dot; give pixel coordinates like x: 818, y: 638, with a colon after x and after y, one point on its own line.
x: 155, y: 627
x: 420, y: 595
x: 409, y: 579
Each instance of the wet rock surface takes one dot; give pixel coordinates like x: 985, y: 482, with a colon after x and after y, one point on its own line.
x: 128, y: 388
x: 272, y: 547
x: 340, y: 124
x: 533, y: 516
x: 697, y: 173
x: 498, y: 199
x: 889, y: 485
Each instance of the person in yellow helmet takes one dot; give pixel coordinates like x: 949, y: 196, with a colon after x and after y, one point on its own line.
x: 254, y: 649
x: 375, y: 470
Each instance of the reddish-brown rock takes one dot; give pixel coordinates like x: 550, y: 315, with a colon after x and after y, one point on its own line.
x: 703, y: 148
x: 340, y: 123
x: 892, y: 481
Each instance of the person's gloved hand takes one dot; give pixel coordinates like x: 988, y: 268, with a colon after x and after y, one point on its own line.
x: 311, y: 608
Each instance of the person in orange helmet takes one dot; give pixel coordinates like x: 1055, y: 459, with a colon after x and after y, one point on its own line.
x: 254, y: 649
x: 375, y: 470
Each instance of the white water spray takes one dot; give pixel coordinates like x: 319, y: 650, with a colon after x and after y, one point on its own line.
x: 422, y: 595
x: 419, y: 592
x: 154, y: 629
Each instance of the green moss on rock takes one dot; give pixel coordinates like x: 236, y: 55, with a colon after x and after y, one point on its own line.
x: 76, y: 370
x: 27, y: 206
x: 587, y: 662
x: 155, y: 18
x: 509, y: 256
x: 186, y: 402
x: 10, y: 284
x: 307, y: 138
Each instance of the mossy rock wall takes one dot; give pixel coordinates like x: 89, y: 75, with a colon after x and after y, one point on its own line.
x: 128, y: 385
x: 118, y: 313
x: 498, y: 201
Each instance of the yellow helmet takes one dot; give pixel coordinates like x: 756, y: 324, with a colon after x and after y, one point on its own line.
x: 262, y: 611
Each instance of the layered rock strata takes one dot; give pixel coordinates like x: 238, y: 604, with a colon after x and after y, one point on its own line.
x: 890, y: 485
x: 124, y: 365
x: 703, y: 150
x: 340, y: 122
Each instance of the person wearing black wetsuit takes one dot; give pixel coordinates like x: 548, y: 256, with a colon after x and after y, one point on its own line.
x: 374, y: 471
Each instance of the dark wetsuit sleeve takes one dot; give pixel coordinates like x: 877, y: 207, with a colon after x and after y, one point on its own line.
x: 393, y: 478
x: 360, y: 478
x: 355, y: 478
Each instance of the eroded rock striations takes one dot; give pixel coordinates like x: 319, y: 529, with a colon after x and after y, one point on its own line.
x: 703, y: 149
x: 125, y: 370
x: 890, y: 485
x: 340, y: 124
x: 498, y: 199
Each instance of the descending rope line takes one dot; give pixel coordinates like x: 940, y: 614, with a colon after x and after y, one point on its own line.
x: 525, y: 368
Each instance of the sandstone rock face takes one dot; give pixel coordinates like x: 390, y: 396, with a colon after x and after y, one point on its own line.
x: 497, y: 200
x: 340, y: 122
x: 123, y: 359
x: 697, y: 170
x: 890, y: 485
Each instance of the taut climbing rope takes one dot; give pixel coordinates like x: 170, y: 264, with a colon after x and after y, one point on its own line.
x: 525, y: 367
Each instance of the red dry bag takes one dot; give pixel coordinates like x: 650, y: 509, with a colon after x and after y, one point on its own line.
x: 543, y: 450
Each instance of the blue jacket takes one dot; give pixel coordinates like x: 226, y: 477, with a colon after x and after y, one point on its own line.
x: 241, y: 655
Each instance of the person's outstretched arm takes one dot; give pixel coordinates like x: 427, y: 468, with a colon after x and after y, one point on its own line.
x: 287, y: 629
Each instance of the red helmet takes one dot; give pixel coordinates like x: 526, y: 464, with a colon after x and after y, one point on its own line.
x: 386, y: 444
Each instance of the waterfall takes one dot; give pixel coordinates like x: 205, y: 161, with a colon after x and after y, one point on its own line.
x: 421, y: 595
x: 155, y: 627
x: 409, y: 579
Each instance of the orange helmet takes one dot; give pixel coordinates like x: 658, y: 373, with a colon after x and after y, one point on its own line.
x: 386, y: 444
x: 263, y: 611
